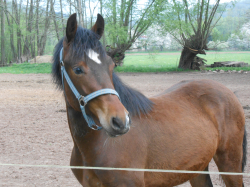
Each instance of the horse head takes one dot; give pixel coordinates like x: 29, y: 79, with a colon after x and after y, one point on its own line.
x: 90, y: 70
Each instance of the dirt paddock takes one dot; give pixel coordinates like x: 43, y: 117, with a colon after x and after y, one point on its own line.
x: 34, y: 127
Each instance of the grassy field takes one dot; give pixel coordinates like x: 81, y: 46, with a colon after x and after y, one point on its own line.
x: 159, y: 62
x: 147, y: 62
x: 27, y: 68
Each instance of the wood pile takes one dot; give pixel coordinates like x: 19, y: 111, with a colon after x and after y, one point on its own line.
x: 228, y: 64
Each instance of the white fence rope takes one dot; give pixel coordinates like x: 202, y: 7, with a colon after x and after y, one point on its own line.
x: 128, y: 169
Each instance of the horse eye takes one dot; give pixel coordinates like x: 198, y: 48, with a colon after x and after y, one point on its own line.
x: 78, y: 70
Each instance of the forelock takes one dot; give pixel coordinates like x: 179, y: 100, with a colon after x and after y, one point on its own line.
x: 85, y: 40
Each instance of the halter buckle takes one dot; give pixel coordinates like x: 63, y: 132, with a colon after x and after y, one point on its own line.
x: 95, y: 127
x: 61, y: 63
x: 81, y: 101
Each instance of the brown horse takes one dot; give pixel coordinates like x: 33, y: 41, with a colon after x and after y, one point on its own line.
x: 180, y: 129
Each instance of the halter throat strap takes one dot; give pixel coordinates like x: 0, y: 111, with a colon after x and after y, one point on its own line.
x: 83, y: 100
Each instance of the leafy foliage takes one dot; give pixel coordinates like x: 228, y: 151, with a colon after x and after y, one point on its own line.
x: 127, y: 20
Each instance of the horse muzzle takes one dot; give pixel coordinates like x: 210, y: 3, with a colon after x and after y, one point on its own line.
x: 119, y: 127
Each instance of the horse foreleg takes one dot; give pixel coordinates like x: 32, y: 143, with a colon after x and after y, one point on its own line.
x: 76, y: 160
x: 202, y: 180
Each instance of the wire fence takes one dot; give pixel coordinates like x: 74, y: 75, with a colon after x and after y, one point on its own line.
x: 127, y: 169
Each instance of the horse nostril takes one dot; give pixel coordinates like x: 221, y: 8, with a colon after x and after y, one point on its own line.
x: 117, y: 124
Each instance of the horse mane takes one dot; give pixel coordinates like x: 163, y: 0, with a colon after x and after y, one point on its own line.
x: 56, y: 73
x: 135, y: 102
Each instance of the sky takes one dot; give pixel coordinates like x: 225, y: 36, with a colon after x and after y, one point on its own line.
x: 96, y: 4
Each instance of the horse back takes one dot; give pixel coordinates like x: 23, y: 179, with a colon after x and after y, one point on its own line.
x: 209, y: 100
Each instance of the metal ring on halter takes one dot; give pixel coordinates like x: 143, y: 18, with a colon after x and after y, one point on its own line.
x: 81, y: 101
x: 95, y: 127
x: 61, y: 63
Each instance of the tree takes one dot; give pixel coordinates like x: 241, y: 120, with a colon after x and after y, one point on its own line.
x: 190, y: 23
x: 126, y: 20
x: 28, y: 25
x: 229, y: 25
x: 247, y: 18
x: 216, y: 35
x: 2, y: 34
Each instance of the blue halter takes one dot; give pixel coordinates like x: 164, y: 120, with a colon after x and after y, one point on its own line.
x: 83, y: 100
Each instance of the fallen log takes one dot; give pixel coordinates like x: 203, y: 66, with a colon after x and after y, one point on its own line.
x: 229, y: 64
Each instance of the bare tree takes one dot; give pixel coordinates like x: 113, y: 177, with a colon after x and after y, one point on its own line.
x: 43, y: 39
x: 62, y: 16
x: 17, y: 12
x: 37, y: 27
x: 2, y: 35
x: 55, y: 23
x: 80, y: 12
x: 28, y: 45
x: 10, y: 28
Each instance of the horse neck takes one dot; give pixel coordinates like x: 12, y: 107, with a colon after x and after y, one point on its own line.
x: 77, y: 124
x: 82, y: 135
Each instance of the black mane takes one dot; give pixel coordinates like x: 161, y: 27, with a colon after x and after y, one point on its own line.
x: 56, y: 73
x: 135, y: 102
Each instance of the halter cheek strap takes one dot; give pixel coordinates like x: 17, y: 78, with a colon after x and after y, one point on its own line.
x: 83, y: 100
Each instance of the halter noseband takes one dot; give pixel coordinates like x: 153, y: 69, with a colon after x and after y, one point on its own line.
x: 83, y: 100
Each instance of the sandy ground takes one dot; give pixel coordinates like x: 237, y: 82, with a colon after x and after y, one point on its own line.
x: 34, y: 127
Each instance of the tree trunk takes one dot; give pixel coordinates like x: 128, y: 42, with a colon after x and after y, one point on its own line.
x: 91, y: 15
x: 116, y: 54
x: 12, y: 38
x: 61, y: 17
x: 19, y: 44
x: 70, y: 8
x: 2, y: 36
x: 187, y: 58
x: 114, y: 20
x: 80, y: 13
x: 56, y: 26
x: 26, y: 43
x: 103, y: 36
x: 10, y: 28
x: 28, y: 46
x: 30, y: 26
x: 85, y: 13
x: 37, y: 27
x: 46, y: 26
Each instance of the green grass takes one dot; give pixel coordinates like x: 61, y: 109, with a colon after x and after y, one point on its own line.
x: 151, y: 52
x: 165, y: 63
x: 27, y: 68
x: 147, y: 69
x: 141, y: 63
x: 150, y: 63
x: 218, y: 57
x: 230, y: 68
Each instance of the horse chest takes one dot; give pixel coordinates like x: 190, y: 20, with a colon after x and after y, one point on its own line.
x: 165, y: 179
x: 90, y: 179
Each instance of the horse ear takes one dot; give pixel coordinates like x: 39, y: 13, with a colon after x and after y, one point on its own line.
x: 71, y: 27
x: 98, y: 27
